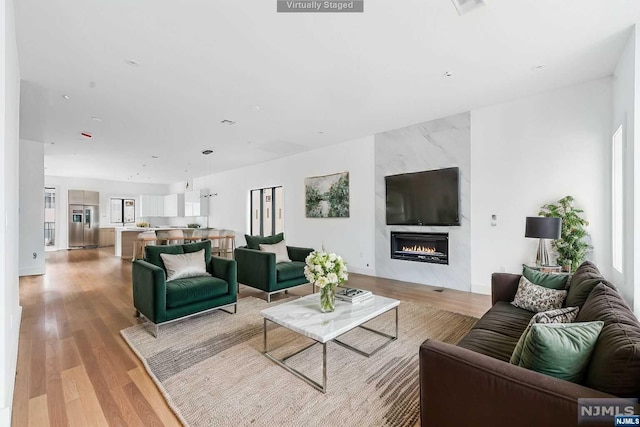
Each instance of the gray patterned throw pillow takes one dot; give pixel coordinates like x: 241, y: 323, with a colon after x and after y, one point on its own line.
x: 537, y: 298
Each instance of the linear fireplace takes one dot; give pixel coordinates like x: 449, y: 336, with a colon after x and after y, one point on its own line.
x: 420, y: 247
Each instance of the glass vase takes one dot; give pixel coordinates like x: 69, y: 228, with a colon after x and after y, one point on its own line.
x: 327, y: 299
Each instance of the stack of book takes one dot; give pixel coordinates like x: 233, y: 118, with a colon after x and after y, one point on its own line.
x: 353, y: 295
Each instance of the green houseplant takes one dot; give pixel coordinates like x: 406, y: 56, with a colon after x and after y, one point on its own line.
x: 571, y: 246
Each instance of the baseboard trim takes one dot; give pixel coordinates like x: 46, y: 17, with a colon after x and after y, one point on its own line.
x: 33, y: 271
x: 367, y: 271
x: 481, y: 288
x: 5, y: 413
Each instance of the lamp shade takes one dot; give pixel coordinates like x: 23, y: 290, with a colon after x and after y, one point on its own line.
x: 543, y: 227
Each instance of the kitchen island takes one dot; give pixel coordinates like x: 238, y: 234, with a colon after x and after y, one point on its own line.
x: 126, y: 237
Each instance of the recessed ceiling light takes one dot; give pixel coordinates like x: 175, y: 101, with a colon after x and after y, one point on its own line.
x: 448, y: 74
x: 144, y: 166
x: 186, y: 170
x: 92, y: 84
x: 131, y: 62
x: 537, y: 67
x: 227, y: 122
x: 154, y: 157
x: 207, y: 152
x: 66, y: 97
x: 320, y: 132
x: 256, y: 108
x: 466, y: 6
x: 52, y: 143
x: 97, y: 119
x: 86, y: 135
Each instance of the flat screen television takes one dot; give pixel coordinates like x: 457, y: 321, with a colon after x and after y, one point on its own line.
x: 424, y: 198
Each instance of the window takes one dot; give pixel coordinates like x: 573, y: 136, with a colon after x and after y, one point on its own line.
x: 49, y: 216
x: 266, y: 211
x: 617, y: 199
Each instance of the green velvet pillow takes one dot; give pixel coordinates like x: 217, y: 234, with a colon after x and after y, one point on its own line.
x: 560, y: 315
x: 197, y: 246
x: 551, y: 281
x: 560, y: 350
x: 253, y: 242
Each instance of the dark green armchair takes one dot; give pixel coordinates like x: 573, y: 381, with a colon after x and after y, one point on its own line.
x: 259, y: 270
x: 162, y: 302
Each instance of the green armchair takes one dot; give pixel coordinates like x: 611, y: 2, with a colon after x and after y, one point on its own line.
x: 259, y: 270
x: 162, y: 302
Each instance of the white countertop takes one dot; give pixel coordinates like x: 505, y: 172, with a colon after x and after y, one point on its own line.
x: 304, y: 316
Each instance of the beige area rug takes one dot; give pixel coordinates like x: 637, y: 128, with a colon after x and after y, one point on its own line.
x: 212, y: 371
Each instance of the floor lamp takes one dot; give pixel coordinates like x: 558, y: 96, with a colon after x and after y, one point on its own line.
x: 542, y: 228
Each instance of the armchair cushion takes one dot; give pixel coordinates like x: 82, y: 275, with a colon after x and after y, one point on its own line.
x: 195, y: 247
x: 289, y: 270
x: 193, y: 289
x: 280, y: 249
x: 152, y: 254
x: 253, y: 242
x: 185, y: 265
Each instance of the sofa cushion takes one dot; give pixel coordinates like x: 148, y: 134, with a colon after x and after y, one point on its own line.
x: 194, y: 289
x: 253, y: 242
x: 615, y: 363
x: 152, y: 253
x: 289, y: 270
x: 586, y: 277
x: 181, y: 266
x: 489, y: 343
x: 560, y: 350
x: 505, y: 319
x: 195, y: 247
x: 560, y: 315
x: 537, y: 298
x: 548, y: 280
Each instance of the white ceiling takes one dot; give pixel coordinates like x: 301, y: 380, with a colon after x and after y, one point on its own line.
x: 347, y: 75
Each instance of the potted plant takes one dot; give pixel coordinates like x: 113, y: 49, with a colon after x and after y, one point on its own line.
x: 571, y: 246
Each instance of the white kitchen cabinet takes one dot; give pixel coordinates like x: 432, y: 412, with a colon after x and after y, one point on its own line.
x: 195, y: 204
x: 151, y: 206
x: 174, y: 205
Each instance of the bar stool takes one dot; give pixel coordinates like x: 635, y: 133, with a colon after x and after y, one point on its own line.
x: 229, y: 243
x: 217, y: 241
x: 142, y: 240
x: 170, y: 237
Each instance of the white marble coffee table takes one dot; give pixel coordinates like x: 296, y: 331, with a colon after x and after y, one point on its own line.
x: 304, y: 317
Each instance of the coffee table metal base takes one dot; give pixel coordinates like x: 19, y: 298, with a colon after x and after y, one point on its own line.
x: 323, y: 387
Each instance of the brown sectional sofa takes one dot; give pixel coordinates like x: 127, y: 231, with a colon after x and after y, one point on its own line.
x: 473, y: 383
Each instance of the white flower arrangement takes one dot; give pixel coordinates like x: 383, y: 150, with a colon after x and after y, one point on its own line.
x: 325, y: 269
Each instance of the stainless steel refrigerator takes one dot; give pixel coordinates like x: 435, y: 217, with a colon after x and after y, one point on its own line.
x: 84, y: 217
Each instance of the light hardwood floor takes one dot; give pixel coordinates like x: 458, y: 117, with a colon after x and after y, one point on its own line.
x: 74, y: 368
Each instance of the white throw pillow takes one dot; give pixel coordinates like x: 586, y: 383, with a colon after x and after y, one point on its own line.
x: 280, y: 249
x: 185, y: 265
x: 537, y: 298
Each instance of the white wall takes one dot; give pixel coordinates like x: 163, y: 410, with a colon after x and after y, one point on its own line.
x: 9, y: 225
x: 534, y: 151
x: 107, y: 189
x: 352, y: 238
x: 31, y: 208
x: 624, y: 99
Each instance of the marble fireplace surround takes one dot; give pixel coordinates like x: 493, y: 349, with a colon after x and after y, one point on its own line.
x: 436, y: 144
